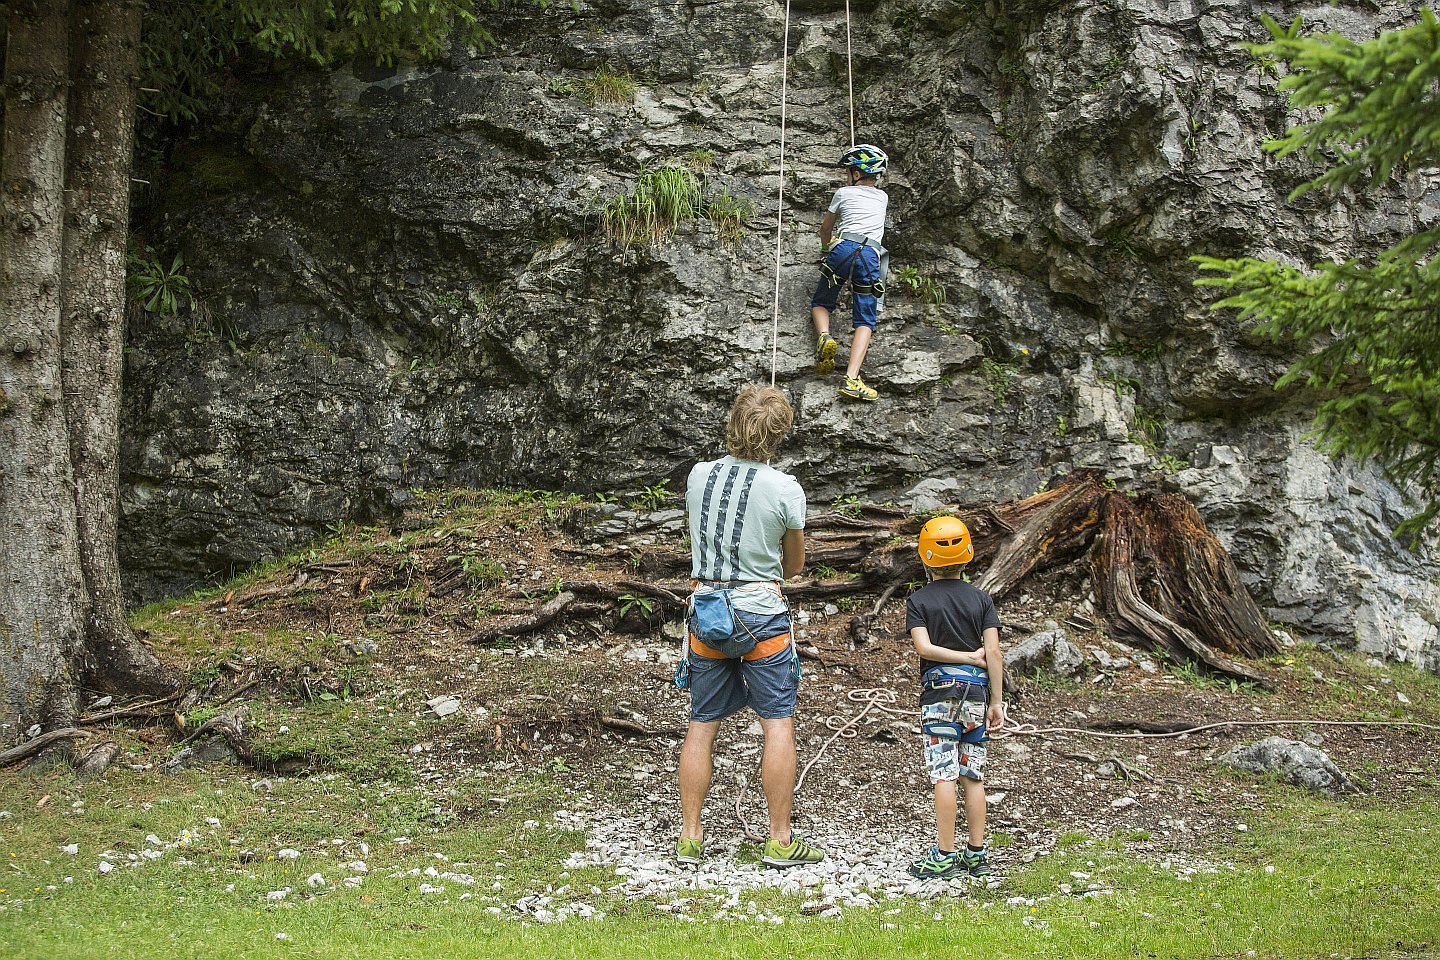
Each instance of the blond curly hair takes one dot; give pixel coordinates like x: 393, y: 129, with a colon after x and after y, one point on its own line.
x: 759, y: 420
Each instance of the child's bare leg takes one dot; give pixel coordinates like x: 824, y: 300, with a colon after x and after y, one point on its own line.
x: 945, y: 810
x: 974, y: 811
x: 859, y: 343
x: 821, y: 316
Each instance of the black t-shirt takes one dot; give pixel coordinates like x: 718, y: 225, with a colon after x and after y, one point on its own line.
x: 954, y: 613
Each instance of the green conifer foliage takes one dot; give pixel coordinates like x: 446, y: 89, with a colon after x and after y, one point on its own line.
x: 1369, y: 326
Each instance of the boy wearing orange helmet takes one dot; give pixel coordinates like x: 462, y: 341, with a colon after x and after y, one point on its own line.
x: 957, y: 635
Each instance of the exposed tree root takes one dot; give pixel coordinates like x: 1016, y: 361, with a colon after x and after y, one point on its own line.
x: 96, y: 760
x: 230, y: 726
x: 130, y: 710
x: 1161, y: 577
x: 517, y: 626
x: 1195, y: 601
x: 1046, y: 530
x: 39, y: 744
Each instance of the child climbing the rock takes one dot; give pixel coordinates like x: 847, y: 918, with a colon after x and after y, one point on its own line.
x: 856, y: 258
x: 957, y: 635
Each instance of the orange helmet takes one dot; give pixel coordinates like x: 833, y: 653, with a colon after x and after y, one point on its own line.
x: 945, y: 542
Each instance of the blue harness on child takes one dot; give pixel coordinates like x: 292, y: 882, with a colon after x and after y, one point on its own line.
x: 845, y: 273
x: 968, y: 688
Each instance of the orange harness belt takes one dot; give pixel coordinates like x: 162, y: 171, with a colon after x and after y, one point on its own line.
x: 763, y: 649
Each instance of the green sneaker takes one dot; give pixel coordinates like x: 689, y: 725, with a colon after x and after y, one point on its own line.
x: 825, y: 348
x: 937, y: 866
x: 855, y: 389
x: 976, y: 864
x: 689, y: 851
x: 798, y: 852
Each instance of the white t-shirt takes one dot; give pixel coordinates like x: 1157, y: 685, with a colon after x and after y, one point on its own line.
x: 739, y: 511
x: 860, y: 209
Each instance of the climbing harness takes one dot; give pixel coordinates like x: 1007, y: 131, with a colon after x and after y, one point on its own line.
x: 965, y: 694
x: 835, y: 278
x: 713, y: 630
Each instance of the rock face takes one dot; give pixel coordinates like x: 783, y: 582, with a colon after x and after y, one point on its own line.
x: 405, y: 284
x: 1292, y: 761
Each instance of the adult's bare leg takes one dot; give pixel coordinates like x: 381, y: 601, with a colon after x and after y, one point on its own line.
x: 777, y: 772
x: 696, y: 768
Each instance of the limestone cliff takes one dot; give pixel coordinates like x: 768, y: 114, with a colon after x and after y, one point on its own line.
x: 406, y: 286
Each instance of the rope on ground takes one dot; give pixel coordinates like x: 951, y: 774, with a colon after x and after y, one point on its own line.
x: 1029, y: 729
x: 872, y: 697
x: 741, y: 784
x: 882, y: 698
x: 780, y: 195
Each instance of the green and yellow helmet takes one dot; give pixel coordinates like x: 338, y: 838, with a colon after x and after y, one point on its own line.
x: 867, y: 158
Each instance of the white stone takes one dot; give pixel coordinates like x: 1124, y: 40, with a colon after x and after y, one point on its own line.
x: 443, y: 705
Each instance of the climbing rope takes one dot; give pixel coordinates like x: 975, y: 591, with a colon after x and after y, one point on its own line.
x: 880, y: 697
x: 780, y: 195
x: 780, y: 192
x: 850, y: 73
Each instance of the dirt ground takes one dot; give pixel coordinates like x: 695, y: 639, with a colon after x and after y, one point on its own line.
x: 387, y: 617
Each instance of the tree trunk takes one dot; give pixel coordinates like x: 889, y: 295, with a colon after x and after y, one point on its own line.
x: 105, y: 40
x: 1053, y: 527
x: 41, y: 593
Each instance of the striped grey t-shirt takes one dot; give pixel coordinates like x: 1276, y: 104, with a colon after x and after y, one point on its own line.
x: 739, y: 511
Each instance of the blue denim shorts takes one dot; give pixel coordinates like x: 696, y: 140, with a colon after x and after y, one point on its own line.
x: 722, y: 688
x: 860, y: 265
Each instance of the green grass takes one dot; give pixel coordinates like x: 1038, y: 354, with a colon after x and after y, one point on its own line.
x: 608, y: 86
x: 1381, y: 893
x: 998, y: 377
x: 920, y: 286
x: 660, y: 201
x: 1379, y: 896
x: 729, y: 214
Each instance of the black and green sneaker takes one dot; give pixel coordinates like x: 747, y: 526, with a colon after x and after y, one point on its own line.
x: 937, y: 866
x: 825, y: 347
x: 976, y: 863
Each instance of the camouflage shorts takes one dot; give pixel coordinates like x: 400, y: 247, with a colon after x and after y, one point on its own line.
x: 947, y: 758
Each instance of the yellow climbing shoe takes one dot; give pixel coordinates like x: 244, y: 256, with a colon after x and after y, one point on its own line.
x: 825, y: 348
x: 855, y: 389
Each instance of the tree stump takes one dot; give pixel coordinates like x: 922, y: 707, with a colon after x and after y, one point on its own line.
x: 1163, y: 578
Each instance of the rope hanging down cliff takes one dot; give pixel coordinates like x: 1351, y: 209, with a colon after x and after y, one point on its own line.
x: 780, y: 193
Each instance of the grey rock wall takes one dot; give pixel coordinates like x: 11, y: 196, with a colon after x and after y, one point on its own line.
x: 406, y: 286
